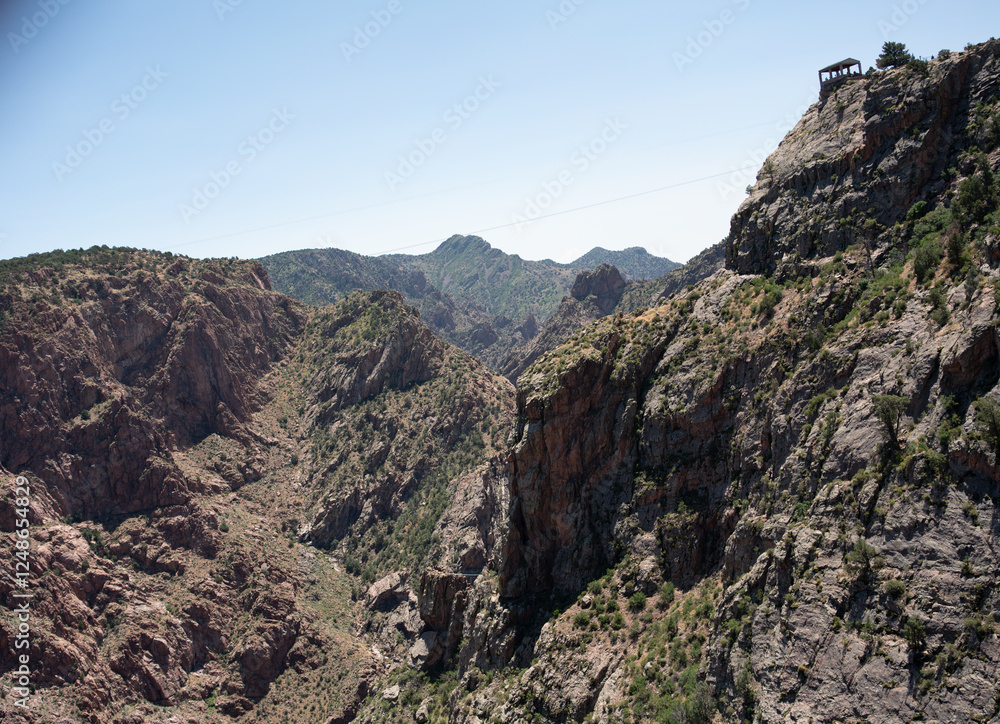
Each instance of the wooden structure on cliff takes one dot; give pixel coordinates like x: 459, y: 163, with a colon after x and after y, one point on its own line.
x: 836, y: 74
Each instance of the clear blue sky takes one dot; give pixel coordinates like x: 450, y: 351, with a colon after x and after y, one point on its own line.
x: 121, y: 117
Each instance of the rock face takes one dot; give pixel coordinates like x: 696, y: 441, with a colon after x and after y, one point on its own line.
x: 605, y: 283
x: 593, y: 295
x: 185, y: 391
x: 566, y: 477
x: 95, y: 396
x: 733, y: 443
x: 442, y: 601
x: 373, y: 366
x: 860, y: 159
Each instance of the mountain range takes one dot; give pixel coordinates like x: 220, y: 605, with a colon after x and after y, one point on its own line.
x: 475, y: 296
x: 760, y: 487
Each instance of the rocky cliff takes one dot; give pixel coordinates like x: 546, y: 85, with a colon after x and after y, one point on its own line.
x: 772, y: 497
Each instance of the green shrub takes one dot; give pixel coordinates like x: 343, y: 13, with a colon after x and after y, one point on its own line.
x: 895, y: 588
x: 957, y: 254
x: 890, y: 409
x: 915, y: 634
x: 972, y: 202
x: 637, y: 601
x: 917, y: 211
x: 939, y: 306
x: 699, y: 707
x: 863, y: 558
x: 919, y: 65
x: 705, y: 610
x: 976, y: 625
x: 666, y: 595
x: 976, y: 196
x: 893, y: 55
x: 926, y: 261
x: 988, y: 421
x: 993, y: 128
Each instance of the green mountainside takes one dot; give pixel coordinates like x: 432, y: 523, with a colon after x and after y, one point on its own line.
x: 635, y: 263
x: 468, y: 268
x: 487, y: 302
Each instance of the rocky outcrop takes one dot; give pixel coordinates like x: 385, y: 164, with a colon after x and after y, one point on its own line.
x: 858, y: 160
x: 594, y: 295
x: 605, y: 284
x: 566, y: 477
x: 387, y: 347
x: 577, y: 458
x: 97, y: 394
x: 469, y: 293
x: 799, y: 454
x: 372, y: 366
x: 442, y: 600
x: 135, y: 382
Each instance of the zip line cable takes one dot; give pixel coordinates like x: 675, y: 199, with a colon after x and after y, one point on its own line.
x: 560, y: 213
x: 465, y: 186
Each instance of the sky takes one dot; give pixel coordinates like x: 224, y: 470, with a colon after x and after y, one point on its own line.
x: 548, y: 127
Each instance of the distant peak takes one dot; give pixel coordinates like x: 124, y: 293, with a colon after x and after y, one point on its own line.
x: 459, y: 243
x: 634, y: 262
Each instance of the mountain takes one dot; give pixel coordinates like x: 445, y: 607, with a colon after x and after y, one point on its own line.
x: 603, y: 292
x: 187, y: 436
x: 477, y: 297
x: 761, y: 488
x: 634, y: 263
x: 771, y: 497
x: 468, y: 268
